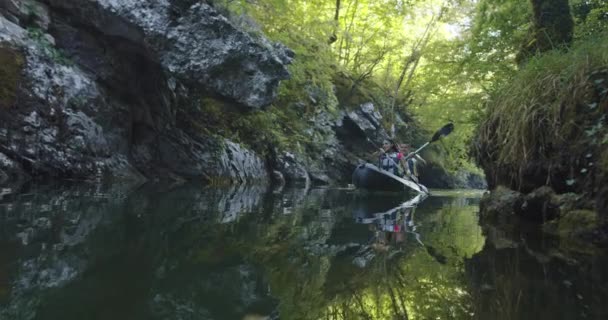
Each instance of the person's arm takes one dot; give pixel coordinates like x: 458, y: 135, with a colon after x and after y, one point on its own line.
x: 420, y: 158
x: 403, y: 164
x: 378, y: 152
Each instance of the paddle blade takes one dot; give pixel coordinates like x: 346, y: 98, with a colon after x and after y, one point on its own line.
x: 444, y: 131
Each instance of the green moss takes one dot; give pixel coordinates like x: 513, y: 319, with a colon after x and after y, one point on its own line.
x: 56, y: 55
x: 576, y: 222
x: 349, y: 94
x: 571, y: 227
x: 280, y: 127
x: 11, y: 64
x: 214, y: 111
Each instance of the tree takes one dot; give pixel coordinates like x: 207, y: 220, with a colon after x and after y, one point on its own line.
x: 552, y: 27
x: 333, y: 36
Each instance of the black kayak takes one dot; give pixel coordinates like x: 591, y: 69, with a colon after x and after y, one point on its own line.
x: 368, y: 176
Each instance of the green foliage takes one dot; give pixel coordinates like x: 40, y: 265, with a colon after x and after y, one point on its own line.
x: 310, y: 88
x: 544, y: 106
x: 56, y: 55
x: 274, y: 127
x: 375, y: 43
x: 260, y: 130
x: 429, y: 62
x: 11, y: 64
x: 591, y: 17
x: 445, y: 92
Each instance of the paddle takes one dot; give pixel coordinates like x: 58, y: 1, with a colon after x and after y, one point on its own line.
x: 444, y: 131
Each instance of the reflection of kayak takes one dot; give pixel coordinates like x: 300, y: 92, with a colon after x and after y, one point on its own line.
x: 369, y: 204
x: 368, y: 176
x: 362, y: 215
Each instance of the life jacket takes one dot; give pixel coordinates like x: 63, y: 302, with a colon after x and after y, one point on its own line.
x: 388, y: 161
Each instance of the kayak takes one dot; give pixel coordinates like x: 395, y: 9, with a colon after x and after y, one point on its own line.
x: 368, y: 176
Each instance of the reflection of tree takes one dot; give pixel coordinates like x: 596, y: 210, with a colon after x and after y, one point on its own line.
x: 276, y: 241
x: 373, y: 293
x: 454, y: 232
x: 410, y: 285
x: 437, y: 287
x: 177, y: 254
x: 415, y: 284
x: 295, y: 276
x: 518, y: 282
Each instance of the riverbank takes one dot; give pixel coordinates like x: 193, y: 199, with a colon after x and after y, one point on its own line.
x: 545, y: 137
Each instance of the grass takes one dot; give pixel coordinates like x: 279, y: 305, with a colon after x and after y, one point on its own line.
x: 546, y: 107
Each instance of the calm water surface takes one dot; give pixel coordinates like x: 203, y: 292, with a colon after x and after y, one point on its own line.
x: 188, y: 252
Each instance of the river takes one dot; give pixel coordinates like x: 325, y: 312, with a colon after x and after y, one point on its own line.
x: 194, y: 252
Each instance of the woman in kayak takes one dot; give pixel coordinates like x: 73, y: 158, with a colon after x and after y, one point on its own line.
x: 389, y: 157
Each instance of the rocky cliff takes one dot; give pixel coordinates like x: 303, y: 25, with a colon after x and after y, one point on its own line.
x: 95, y: 88
x: 169, y: 90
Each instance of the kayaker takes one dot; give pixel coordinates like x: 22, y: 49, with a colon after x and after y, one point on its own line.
x: 410, y: 167
x: 389, y: 157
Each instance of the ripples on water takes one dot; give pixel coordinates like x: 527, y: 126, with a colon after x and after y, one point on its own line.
x: 250, y: 253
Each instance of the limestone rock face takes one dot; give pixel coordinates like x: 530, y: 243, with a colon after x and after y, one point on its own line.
x: 292, y: 169
x: 101, y: 88
x: 195, y: 44
x: 54, y: 125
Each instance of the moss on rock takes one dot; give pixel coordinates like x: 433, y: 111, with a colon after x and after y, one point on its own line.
x: 501, y: 203
x: 573, y: 229
x: 577, y: 222
x: 11, y: 64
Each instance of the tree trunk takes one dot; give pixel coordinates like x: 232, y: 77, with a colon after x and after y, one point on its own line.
x: 334, y: 36
x: 552, y: 27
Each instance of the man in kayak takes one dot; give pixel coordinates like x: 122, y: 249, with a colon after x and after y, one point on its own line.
x: 410, y: 166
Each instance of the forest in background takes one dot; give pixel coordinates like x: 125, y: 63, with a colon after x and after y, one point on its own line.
x: 430, y: 61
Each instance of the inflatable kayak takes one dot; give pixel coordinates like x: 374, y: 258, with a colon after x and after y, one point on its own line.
x: 368, y: 176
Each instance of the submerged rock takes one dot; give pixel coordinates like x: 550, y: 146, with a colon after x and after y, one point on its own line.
x: 501, y: 202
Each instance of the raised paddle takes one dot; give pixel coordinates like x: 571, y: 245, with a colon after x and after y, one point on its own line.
x: 444, y: 131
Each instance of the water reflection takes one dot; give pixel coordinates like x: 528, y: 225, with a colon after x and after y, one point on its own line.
x: 523, y: 274
x: 189, y: 252
x: 416, y: 274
